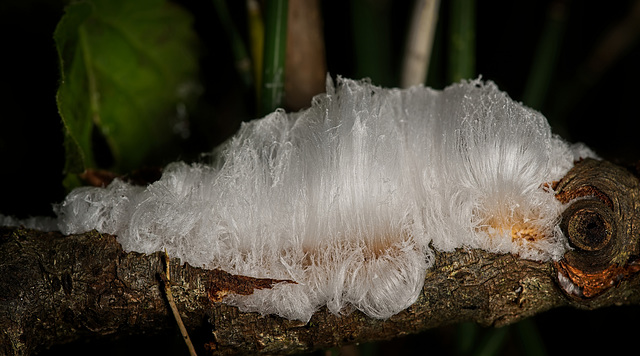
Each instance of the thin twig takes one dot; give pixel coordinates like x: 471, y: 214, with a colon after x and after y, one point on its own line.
x: 167, y: 290
x: 417, y: 53
x: 305, y: 64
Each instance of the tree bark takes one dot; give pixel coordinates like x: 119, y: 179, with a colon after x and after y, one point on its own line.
x: 55, y: 289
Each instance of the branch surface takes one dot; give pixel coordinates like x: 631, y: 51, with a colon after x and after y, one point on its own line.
x: 56, y: 289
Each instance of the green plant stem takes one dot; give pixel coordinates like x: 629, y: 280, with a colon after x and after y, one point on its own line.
x: 545, y: 57
x: 462, y: 45
x: 275, y: 44
x: 256, y: 39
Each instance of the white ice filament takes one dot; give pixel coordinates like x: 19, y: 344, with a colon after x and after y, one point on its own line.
x: 349, y: 197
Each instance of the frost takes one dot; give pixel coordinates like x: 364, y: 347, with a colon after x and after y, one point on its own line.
x: 349, y: 197
x: 35, y: 222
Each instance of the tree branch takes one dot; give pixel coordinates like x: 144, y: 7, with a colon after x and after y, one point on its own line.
x: 55, y: 289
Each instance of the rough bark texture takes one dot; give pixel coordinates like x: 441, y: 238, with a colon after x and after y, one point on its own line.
x: 56, y: 289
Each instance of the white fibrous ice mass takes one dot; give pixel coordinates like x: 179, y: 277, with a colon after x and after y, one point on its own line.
x: 350, y: 197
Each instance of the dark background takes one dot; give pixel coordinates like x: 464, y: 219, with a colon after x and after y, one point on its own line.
x: 600, y: 110
x: 602, y: 113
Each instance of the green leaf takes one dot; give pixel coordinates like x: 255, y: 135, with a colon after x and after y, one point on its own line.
x: 462, y: 44
x: 124, y: 67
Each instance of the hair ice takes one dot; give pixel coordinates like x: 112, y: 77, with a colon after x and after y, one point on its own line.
x: 348, y: 197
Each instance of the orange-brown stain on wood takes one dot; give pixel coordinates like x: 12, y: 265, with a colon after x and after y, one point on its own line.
x: 594, y: 284
x: 519, y: 228
x: 222, y: 284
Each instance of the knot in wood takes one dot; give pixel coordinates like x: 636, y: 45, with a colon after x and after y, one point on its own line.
x: 601, y: 224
